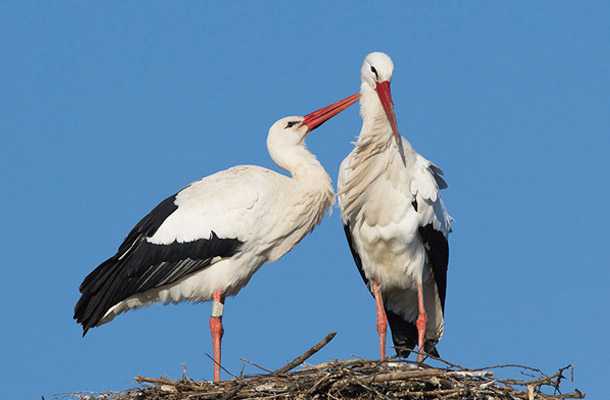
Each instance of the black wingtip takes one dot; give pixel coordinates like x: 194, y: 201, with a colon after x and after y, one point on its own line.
x: 82, y: 312
x: 78, y: 318
x: 81, y: 320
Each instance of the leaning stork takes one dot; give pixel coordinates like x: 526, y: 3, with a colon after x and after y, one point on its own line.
x: 395, y: 221
x: 206, y: 241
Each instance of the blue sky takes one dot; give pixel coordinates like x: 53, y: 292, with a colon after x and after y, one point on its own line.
x: 108, y: 108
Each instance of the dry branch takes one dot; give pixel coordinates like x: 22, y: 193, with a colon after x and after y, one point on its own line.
x: 362, y: 379
x: 301, y: 359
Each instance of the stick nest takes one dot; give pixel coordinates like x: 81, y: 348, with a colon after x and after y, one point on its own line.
x: 363, y: 379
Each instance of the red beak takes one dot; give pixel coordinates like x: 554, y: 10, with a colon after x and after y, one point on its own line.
x: 318, y: 117
x: 385, y: 96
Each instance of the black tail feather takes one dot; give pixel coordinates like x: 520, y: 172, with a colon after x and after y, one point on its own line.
x: 404, y: 336
x: 87, y: 310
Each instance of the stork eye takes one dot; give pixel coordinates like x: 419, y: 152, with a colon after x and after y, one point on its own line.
x: 374, y: 70
x: 290, y: 124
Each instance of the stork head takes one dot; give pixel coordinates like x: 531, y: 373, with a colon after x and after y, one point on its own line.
x: 376, y: 72
x: 291, y: 131
x: 377, y: 67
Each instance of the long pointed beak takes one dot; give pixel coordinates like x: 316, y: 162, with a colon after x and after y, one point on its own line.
x: 385, y: 96
x: 318, y: 117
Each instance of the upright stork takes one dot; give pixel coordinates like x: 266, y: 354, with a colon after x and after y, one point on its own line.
x: 395, y: 221
x: 206, y: 241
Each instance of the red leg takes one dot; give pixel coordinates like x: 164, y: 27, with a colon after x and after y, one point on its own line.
x: 422, y: 319
x: 216, y: 330
x: 382, y: 322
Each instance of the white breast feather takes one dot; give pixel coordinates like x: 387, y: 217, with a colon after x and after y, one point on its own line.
x: 384, y: 225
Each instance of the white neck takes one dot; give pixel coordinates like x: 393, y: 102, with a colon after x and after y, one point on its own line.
x: 375, y: 125
x: 376, y: 152
x: 311, y: 195
x: 303, y: 166
x: 374, y: 120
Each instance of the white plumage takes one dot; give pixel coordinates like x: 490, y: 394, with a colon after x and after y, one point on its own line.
x: 387, y: 200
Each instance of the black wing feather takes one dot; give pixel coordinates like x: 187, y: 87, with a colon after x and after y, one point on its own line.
x: 437, y: 250
x: 357, y: 260
x: 437, y: 173
x: 146, y: 227
x: 140, y: 265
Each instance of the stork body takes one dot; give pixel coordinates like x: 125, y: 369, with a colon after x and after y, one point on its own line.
x: 395, y: 221
x: 220, y: 231
x: 206, y: 241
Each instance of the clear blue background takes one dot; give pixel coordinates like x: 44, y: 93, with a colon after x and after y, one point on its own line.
x: 108, y: 108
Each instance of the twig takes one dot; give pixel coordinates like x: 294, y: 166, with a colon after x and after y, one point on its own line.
x: 231, y: 393
x: 577, y: 394
x: 318, y: 383
x: 169, y: 382
x: 534, y: 382
x: 256, y: 365
x: 497, y: 366
x: 338, y: 386
x: 430, y: 393
x: 300, y: 359
x: 560, y: 377
x: 450, y: 364
x: 220, y: 365
x: 471, y: 374
x: 159, y: 381
x: 428, y: 373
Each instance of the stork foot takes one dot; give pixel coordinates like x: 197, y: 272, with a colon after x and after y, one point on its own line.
x: 421, y: 322
x: 382, y: 320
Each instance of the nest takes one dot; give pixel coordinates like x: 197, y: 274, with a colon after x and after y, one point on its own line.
x: 363, y: 379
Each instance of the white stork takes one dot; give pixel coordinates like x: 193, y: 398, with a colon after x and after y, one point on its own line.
x: 206, y: 241
x: 395, y: 221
